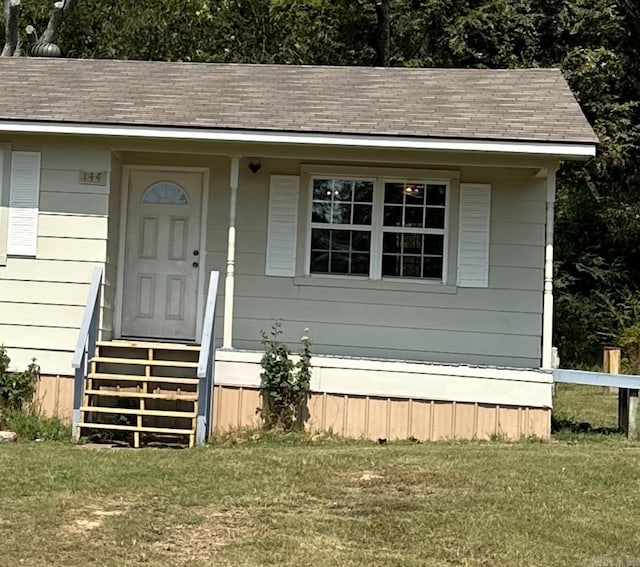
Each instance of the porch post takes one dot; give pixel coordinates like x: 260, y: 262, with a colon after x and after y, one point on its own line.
x: 227, y: 338
x: 547, y: 301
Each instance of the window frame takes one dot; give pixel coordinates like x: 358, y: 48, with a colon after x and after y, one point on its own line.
x: 379, y: 176
x: 347, y: 227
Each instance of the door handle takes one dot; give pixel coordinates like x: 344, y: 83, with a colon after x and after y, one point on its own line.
x: 195, y: 264
x: 196, y: 252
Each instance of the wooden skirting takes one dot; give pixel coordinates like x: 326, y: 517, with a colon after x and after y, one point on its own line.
x: 390, y: 418
x: 54, y: 396
x: 353, y: 416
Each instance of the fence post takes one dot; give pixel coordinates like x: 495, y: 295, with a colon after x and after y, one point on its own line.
x: 627, y: 399
x: 611, y: 365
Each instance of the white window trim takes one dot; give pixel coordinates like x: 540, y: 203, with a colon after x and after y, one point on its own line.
x: 379, y: 175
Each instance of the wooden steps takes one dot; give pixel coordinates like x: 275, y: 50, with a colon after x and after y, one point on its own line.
x: 149, y: 379
x: 143, y: 388
x: 145, y: 362
x: 124, y: 394
x: 162, y: 413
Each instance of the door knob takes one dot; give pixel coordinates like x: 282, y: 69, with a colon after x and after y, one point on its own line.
x: 195, y: 264
x: 196, y: 252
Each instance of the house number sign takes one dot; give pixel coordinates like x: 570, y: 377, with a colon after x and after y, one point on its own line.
x: 93, y: 178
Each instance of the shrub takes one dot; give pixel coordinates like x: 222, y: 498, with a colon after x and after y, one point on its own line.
x: 16, y: 388
x: 284, y: 384
x: 30, y: 425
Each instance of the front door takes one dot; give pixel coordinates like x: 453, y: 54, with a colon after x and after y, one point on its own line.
x: 162, y: 254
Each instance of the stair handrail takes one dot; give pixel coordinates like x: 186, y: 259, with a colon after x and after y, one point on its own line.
x: 207, y: 361
x: 86, y: 345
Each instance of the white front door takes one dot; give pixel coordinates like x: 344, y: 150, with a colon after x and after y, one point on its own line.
x: 162, y: 254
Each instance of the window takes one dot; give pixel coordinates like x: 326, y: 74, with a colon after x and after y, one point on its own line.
x: 378, y: 228
x: 413, y: 229
x: 341, y: 216
x: 165, y: 193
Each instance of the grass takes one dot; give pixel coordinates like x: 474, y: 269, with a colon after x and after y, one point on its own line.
x: 256, y: 500
x: 584, y: 409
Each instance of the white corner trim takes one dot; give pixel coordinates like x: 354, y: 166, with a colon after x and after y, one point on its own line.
x: 398, y: 379
x: 575, y: 150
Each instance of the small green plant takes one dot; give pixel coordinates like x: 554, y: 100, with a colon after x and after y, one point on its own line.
x: 30, y: 424
x: 16, y: 388
x: 285, y: 384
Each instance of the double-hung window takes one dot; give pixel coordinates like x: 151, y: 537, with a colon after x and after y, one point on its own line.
x: 378, y: 227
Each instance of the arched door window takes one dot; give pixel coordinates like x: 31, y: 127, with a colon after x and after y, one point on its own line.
x: 165, y: 193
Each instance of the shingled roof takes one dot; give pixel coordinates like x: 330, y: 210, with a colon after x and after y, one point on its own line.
x: 504, y: 105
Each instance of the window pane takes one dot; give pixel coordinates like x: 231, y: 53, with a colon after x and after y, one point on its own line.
x: 360, y: 264
x: 319, y: 262
x: 321, y: 212
x: 414, y: 194
x: 339, y: 263
x: 335, y: 251
x: 411, y: 266
x: 341, y: 213
x: 391, y: 242
x: 340, y: 239
x: 320, y: 239
x: 361, y: 241
x: 394, y: 193
x: 165, y: 193
x: 342, y: 190
x: 392, y: 216
x: 322, y: 190
x: 436, y: 194
x: 432, y: 268
x: 435, y: 218
x: 364, y: 191
x: 412, y: 244
x: 413, y: 217
x: 362, y: 214
x: 412, y: 255
x: 433, y: 244
x: 390, y: 265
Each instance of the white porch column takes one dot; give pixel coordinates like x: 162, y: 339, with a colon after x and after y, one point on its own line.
x: 227, y: 339
x: 547, y: 301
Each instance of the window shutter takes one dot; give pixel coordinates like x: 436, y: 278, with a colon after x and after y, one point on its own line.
x: 283, y: 225
x: 473, y: 241
x: 23, y: 203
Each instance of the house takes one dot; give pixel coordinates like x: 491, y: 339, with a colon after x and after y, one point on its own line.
x: 405, y: 216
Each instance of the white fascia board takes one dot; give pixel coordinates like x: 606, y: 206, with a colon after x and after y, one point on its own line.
x: 566, y: 150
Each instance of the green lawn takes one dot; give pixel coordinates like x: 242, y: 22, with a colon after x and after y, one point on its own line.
x: 295, y: 502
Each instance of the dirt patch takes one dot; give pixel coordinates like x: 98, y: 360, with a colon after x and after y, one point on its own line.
x: 197, y: 543
x: 91, y: 516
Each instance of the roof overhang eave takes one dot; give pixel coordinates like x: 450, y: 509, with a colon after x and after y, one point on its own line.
x: 564, y: 150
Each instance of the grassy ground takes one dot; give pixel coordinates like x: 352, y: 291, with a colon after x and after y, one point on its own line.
x: 571, y: 502
x: 587, y: 409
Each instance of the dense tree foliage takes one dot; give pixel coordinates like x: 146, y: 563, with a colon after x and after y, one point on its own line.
x: 595, y: 42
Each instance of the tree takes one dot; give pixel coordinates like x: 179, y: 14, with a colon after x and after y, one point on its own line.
x: 12, y: 13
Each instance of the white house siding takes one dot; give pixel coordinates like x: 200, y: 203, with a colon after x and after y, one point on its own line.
x: 42, y: 299
x: 499, y: 325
